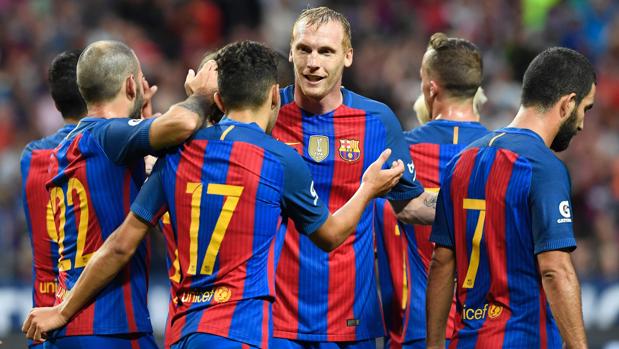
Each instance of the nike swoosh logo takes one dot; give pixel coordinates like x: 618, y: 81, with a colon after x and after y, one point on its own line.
x: 292, y: 143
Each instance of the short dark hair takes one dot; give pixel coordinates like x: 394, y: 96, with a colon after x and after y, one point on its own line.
x: 245, y: 72
x: 62, y: 81
x: 456, y: 63
x: 102, y: 69
x: 556, y: 72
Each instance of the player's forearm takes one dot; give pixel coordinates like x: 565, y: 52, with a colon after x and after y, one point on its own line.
x: 100, y: 270
x: 105, y: 264
x: 439, y: 295
x: 419, y: 210
x: 563, y: 293
x: 179, y: 122
x: 343, y: 222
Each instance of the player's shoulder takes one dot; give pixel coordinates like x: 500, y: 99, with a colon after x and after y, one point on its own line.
x: 287, y: 95
x: 529, y: 146
x: 47, y: 143
x: 371, y: 107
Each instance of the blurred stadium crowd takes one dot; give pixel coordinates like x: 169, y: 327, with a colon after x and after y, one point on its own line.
x: 389, y: 38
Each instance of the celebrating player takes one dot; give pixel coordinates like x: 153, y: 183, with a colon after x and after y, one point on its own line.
x: 97, y: 170
x: 34, y: 165
x: 504, y: 224
x: 323, y: 298
x: 226, y: 190
x: 451, y: 76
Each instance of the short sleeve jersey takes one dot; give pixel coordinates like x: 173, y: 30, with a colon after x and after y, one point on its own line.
x: 96, y: 173
x: 226, y: 191
x: 333, y: 296
x: 506, y: 198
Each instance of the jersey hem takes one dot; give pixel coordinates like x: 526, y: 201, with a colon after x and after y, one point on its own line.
x: 225, y: 333
x: 324, y: 337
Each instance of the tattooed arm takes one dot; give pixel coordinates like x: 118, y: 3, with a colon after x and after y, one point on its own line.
x: 419, y: 210
x: 184, y: 118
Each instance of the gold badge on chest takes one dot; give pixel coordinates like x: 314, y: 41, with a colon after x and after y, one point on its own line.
x: 318, y: 148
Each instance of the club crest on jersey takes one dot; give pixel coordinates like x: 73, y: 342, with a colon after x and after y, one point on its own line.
x: 318, y: 148
x: 349, y: 149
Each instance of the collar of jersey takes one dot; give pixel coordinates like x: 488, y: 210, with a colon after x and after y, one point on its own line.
x: 227, y: 121
x: 524, y: 131
x: 455, y: 123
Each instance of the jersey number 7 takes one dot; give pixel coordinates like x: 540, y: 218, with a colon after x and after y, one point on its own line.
x: 476, y: 205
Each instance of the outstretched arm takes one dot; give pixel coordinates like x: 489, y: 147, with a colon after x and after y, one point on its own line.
x: 419, y: 210
x: 100, y: 270
x: 342, y: 223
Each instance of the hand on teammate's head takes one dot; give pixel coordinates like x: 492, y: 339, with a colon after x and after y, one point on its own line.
x: 204, y: 82
x: 149, y: 92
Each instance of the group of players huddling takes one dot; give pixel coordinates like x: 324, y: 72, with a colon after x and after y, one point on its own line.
x: 284, y: 217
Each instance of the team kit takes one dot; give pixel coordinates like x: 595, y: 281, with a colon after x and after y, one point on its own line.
x: 303, y: 216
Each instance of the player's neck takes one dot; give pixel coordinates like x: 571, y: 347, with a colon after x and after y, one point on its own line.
x: 536, y: 121
x: 115, y: 108
x: 71, y: 120
x: 319, y: 106
x: 260, y: 116
x: 455, y: 111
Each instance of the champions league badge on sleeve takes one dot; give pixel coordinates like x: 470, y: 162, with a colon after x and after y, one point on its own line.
x: 349, y: 150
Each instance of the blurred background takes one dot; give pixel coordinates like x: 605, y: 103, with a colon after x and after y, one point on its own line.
x: 389, y: 38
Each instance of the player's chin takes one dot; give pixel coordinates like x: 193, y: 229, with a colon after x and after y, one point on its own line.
x: 313, y: 91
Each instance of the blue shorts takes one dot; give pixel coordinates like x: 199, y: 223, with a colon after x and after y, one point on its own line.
x: 282, y: 343
x: 133, y: 341
x: 199, y: 340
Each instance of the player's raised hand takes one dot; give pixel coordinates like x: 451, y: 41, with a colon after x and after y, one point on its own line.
x: 380, y: 181
x: 204, y: 82
x: 149, y: 92
x: 42, y: 320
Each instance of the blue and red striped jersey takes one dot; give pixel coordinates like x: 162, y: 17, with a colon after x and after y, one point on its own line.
x: 34, y: 162
x: 226, y: 190
x: 431, y: 147
x: 506, y: 189
x: 333, y: 296
x: 96, y: 173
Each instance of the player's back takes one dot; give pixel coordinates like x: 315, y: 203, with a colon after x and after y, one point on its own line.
x: 431, y: 147
x: 224, y: 191
x: 90, y: 197
x: 504, y: 199
x: 35, y: 161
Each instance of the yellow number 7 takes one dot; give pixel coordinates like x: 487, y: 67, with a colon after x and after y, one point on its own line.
x: 477, y: 205
x: 232, y: 194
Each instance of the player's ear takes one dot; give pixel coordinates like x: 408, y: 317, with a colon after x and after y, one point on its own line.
x: 131, y: 87
x: 275, y: 98
x: 567, y: 104
x: 290, y: 56
x: 434, y: 89
x: 219, y: 102
x: 348, y: 58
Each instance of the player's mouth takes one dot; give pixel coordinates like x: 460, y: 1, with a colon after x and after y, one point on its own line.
x: 313, y: 78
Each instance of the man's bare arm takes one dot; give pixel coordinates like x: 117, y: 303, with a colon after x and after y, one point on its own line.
x: 439, y: 295
x: 563, y: 293
x: 184, y: 118
x: 419, y: 210
x: 109, y: 259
